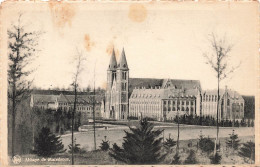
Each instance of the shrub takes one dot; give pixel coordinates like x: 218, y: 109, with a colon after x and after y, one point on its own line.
x: 191, y: 159
x: 206, y: 144
x: 252, y: 123
x: 169, y: 143
x: 233, y: 141
x: 47, y: 144
x: 132, y: 118
x: 176, y: 159
x: 104, y: 145
x: 76, y: 148
x: 141, y: 145
x: 215, y: 159
x: 247, y: 151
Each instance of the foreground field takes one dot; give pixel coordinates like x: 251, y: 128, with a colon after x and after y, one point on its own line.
x: 187, y: 132
x: 102, y: 157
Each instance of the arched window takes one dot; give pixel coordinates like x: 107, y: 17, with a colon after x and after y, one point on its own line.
x: 187, y: 109
x: 228, y: 102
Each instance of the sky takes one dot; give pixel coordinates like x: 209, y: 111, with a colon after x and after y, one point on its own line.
x: 161, y: 40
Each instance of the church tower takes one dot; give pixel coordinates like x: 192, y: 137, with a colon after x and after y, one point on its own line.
x: 116, y: 105
x: 111, y: 77
x: 122, y: 73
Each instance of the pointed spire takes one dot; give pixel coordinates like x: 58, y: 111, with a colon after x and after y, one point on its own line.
x: 122, y: 65
x: 112, y: 64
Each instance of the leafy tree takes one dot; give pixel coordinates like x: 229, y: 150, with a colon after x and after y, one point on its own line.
x: 47, y: 144
x: 215, y: 159
x: 191, y: 159
x: 247, y: 151
x: 249, y: 107
x: 233, y: 141
x: 218, y: 61
x: 22, y: 46
x: 142, y: 145
x: 79, y: 59
x: 176, y: 159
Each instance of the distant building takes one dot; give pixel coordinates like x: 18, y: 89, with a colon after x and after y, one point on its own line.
x: 66, y: 103
x: 144, y: 97
x: 162, y: 99
x: 231, y: 105
x: 164, y: 103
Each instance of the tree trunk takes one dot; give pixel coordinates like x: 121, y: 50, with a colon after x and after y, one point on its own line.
x: 178, y: 137
x: 72, y: 125
x: 216, y: 141
x: 13, y: 116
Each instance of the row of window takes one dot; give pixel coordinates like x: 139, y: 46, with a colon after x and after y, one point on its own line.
x: 178, y: 109
x: 143, y: 108
x: 124, y: 75
x: 145, y: 95
x: 178, y: 102
x: 145, y: 102
x: 209, y: 98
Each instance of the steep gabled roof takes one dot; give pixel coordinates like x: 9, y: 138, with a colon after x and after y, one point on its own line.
x: 113, y: 64
x: 151, y: 82
x: 185, y: 84
x: 232, y: 94
x: 143, y: 82
x: 122, y: 65
x: 38, y: 98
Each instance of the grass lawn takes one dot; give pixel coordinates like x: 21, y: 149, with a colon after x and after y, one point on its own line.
x: 102, y: 158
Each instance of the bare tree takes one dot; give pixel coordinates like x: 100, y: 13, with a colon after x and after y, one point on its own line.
x: 218, y: 61
x: 75, y: 84
x: 22, y: 46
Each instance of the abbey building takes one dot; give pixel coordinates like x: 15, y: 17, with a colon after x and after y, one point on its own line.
x: 162, y: 99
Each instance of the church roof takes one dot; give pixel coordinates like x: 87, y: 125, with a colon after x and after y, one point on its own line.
x: 156, y: 93
x: 122, y: 65
x: 112, y: 64
x: 148, y: 93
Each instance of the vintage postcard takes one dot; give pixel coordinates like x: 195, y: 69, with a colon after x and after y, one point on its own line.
x: 129, y: 83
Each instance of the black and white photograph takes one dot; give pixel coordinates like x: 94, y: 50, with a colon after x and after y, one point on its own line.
x: 129, y: 83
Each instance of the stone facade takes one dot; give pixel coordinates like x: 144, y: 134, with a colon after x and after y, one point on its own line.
x: 66, y: 103
x: 162, y: 99
x: 231, y: 105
